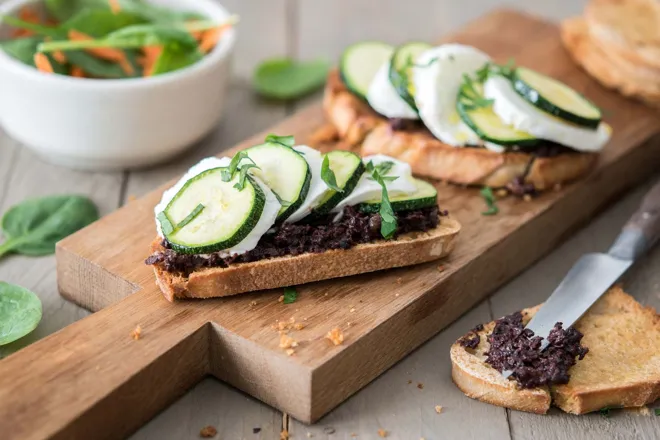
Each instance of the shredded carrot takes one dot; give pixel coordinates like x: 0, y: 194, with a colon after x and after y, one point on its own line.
x: 151, y: 54
x: 211, y: 37
x: 77, y: 72
x: 197, y: 35
x: 115, y: 6
x: 106, y: 53
x: 59, y: 56
x: 43, y: 63
x: 30, y: 15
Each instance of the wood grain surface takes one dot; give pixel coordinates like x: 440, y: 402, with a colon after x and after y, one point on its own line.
x: 305, y: 28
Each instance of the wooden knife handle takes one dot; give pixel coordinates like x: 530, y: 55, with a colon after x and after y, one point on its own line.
x: 642, y: 230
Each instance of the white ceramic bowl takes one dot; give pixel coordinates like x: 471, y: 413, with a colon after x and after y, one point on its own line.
x: 111, y: 124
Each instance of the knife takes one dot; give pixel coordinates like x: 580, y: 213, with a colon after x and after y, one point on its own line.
x: 594, y: 273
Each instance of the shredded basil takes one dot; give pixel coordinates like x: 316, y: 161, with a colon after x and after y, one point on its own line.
x: 242, y: 177
x: 287, y: 141
x: 388, y: 224
x: 657, y: 411
x: 489, y: 198
x: 290, y: 295
x: 190, y: 217
x: 229, y: 172
x: 475, y: 96
x: 165, y: 224
x: 328, y: 175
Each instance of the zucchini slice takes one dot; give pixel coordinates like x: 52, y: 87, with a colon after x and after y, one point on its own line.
x: 285, y: 171
x: 360, y: 62
x: 425, y: 196
x: 401, y: 66
x: 209, y: 215
x: 486, y: 124
x: 348, y: 169
x: 556, y: 98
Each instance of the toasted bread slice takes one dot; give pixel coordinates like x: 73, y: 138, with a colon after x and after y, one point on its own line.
x: 612, y: 72
x: 408, y: 249
x: 622, y: 368
x: 369, y: 133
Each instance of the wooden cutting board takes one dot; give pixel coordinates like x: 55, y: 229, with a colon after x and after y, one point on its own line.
x: 93, y: 380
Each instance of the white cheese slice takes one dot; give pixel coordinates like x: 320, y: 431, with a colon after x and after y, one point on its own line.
x: 437, y: 80
x: 317, y: 187
x: 369, y: 189
x: 383, y: 97
x: 515, y: 110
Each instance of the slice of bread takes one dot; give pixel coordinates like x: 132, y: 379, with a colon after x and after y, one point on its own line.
x: 408, y: 249
x: 621, y: 369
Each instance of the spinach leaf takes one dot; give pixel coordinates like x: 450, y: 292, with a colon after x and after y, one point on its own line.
x: 489, y: 198
x: 283, y: 78
x: 290, y: 295
x: 23, y: 49
x: 172, y: 58
x: 100, y: 22
x: 20, y: 312
x: 97, y: 67
x: 35, y: 225
x: 328, y: 176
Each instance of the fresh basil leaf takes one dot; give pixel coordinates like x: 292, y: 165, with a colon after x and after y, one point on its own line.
x: 657, y: 411
x: 370, y: 167
x: 605, y: 412
x: 483, y: 73
x: 287, y: 141
x: 22, y: 49
x: 489, y: 198
x: 283, y: 78
x: 328, y: 176
x: 389, y: 178
x: 290, y: 295
x: 35, y: 225
x: 172, y: 58
x: 243, y: 175
x: 20, y: 312
x: 384, y: 167
x: 388, y: 224
x: 228, y: 173
x: 165, y: 223
x: 190, y: 217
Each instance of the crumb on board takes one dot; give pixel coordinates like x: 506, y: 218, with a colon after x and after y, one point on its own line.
x: 335, y: 336
x: 409, y: 381
x: 290, y: 352
x: 284, y: 435
x: 280, y: 299
x: 501, y: 193
x: 348, y: 324
x: 396, y: 295
x: 287, y: 341
x: 382, y: 433
x: 253, y: 303
x: 420, y: 385
x: 208, y: 432
x: 438, y: 409
x: 299, y: 326
x: 399, y: 280
x: 527, y: 198
x: 137, y: 332
x: 352, y: 309
x: 441, y: 268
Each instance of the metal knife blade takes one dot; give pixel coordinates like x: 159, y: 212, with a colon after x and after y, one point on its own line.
x: 593, y: 274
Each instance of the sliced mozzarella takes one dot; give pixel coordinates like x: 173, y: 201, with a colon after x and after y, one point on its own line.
x: 369, y: 189
x: 383, y: 97
x: 436, y: 89
x: 268, y: 215
x: 317, y: 187
x: 514, y: 110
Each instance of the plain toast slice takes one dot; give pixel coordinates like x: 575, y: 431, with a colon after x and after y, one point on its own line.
x: 622, y: 368
x: 407, y: 249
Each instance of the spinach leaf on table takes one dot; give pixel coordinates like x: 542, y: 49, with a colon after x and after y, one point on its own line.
x: 35, y: 225
x: 20, y: 312
x: 283, y: 78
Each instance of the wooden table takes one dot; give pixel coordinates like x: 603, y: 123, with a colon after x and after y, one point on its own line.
x: 403, y: 400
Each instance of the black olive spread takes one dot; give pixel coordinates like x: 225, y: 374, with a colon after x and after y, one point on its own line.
x: 515, y: 348
x: 355, y: 227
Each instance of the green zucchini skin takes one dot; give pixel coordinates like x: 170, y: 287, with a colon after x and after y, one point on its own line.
x: 295, y: 205
x: 337, y: 197
x: 241, y: 233
x: 345, y: 67
x: 399, y: 77
x: 535, y: 98
x: 406, y: 203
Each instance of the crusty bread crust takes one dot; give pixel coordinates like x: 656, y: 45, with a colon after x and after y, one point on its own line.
x: 617, y: 372
x: 408, y: 249
x: 369, y: 133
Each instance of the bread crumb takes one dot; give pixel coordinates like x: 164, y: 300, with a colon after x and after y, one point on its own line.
x: 399, y: 280
x: 396, y: 295
x: 409, y: 381
x: 304, y: 319
x: 137, y: 333
x: 280, y: 299
x: 284, y: 435
x: 501, y: 193
x: 441, y: 268
x: 336, y: 336
x: 420, y: 385
x: 352, y: 310
x: 527, y: 198
x: 299, y: 326
x: 438, y: 409
x: 348, y: 324
x: 208, y: 432
x: 290, y: 352
x: 382, y: 433
x: 253, y: 303
x: 286, y: 341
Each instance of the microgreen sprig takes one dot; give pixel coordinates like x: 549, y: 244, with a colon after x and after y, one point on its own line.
x: 388, y: 224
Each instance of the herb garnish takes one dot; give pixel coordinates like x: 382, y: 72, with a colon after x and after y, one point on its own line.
x: 165, y: 223
x: 388, y: 224
x: 242, y: 177
x: 487, y: 193
x: 228, y: 172
x: 472, y: 92
x: 605, y: 412
x: 328, y: 176
x: 489, y: 68
x: 287, y: 141
x: 657, y: 411
x: 190, y: 217
x: 290, y: 295
x: 20, y: 312
x: 33, y: 226
x: 284, y: 78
